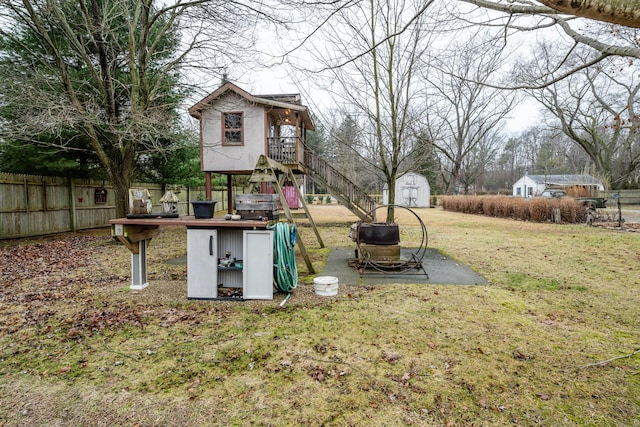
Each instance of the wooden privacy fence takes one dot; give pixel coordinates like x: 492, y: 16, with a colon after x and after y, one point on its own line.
x: 627, y: 197
x: 36, y: 205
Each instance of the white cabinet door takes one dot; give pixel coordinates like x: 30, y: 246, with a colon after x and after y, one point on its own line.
x: 257, y: 254
x: 202, y: 263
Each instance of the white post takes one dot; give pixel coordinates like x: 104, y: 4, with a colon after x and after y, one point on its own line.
x: 139, y: 267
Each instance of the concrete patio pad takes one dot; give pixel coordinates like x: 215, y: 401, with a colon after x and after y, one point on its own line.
x: 441, y: 269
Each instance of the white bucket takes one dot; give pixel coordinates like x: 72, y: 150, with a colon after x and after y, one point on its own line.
x: 326, y: 286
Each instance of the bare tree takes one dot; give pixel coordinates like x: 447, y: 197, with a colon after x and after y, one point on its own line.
x: 466, y: 111
x: 371, y: 62
x: 526, y: 17
x: 349, y: 149
x: 474, y: 166
x: 596, y: 108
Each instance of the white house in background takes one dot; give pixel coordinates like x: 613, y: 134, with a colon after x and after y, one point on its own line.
x: 412, y: 191
x: 533, y: 185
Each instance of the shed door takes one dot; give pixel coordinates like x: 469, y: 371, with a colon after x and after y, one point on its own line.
x: 409, y: 196
x: 257, y: 261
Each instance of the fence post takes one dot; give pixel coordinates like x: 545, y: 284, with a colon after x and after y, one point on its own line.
x: 72, y: 205
x: 44, y: 195
x: 26, y: 195
x: 188, y: 200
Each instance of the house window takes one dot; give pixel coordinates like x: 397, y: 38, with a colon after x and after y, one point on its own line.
x: 233, y: 128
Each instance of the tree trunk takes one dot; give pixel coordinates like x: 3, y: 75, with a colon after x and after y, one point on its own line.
x: 121, y: 187
x: 120, y: 169
x: 454, y: 179
x: 392, y: 199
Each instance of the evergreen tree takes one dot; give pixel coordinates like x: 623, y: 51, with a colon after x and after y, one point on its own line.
x: 91, y: 76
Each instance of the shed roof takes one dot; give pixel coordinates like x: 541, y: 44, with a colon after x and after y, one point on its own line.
x: 385, y: 186
x: 284, y: 101
x: 565, y: 180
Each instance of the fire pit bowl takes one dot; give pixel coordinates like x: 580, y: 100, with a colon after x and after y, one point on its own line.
x: 378, y: 233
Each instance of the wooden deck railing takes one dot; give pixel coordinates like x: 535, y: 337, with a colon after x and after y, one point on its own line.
x: 285, y: 150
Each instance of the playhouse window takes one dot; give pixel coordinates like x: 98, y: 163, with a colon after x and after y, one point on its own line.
x: 233, y: 128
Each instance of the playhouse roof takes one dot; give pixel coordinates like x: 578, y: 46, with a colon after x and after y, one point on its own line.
x: 283, y: 101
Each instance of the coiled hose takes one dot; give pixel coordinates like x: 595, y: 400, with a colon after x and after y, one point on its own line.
x: 284, y: 240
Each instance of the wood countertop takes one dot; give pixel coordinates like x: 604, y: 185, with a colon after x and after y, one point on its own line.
x: 192, y: 222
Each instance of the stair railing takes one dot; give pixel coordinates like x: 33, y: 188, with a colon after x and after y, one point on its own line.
x: 348, y: 193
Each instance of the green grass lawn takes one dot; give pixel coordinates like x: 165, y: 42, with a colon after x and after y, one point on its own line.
x: 553, y: 341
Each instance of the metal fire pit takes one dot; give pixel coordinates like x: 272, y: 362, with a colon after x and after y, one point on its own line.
x: 378, y: 247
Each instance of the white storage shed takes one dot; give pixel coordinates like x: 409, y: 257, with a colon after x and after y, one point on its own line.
x: 412, y: 191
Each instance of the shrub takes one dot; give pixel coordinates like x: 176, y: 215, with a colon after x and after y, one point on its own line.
x: 476, y: 205
x: 572, y: 211
x: 490, y: 206
x: 540, y: 211
x: 522, y: 210
x: 536, y: 209
x: 508, y: 207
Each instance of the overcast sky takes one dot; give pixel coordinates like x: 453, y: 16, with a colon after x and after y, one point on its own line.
x: 277, y: 79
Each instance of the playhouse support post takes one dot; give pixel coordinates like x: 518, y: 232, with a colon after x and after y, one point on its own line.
x: 229, y: 194
x: 207, y: 185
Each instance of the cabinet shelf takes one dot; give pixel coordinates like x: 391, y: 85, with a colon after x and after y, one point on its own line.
x: 230, y: 268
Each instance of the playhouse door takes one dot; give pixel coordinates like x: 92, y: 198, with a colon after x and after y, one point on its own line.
x: 291, y: 195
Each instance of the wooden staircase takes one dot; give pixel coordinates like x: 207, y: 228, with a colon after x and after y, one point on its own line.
x: 340, y: 187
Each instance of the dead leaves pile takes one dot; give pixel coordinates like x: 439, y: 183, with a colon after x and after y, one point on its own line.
x: 44, y: 259
x: 39, y: 277
x: 92, y: 320
x: 48, y: 284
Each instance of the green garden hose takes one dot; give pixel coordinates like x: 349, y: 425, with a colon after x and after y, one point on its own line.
x: 284, y: 256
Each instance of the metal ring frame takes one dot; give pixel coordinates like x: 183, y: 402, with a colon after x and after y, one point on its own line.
x: 404, y: 266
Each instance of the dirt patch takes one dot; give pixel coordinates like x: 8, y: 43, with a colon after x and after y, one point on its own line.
x: 626, y: 226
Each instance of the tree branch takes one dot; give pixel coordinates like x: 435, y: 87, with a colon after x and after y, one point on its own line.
x: 384, y: 39
x: 603, y: 48
x: 604, y: 362
x: 579, y: 10
x: 621, y: 12
x: 512, y: 8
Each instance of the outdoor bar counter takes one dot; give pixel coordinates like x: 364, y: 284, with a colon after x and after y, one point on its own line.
x: 208, y: 239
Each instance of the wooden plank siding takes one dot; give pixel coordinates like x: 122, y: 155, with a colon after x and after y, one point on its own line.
x: 33, y: 205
